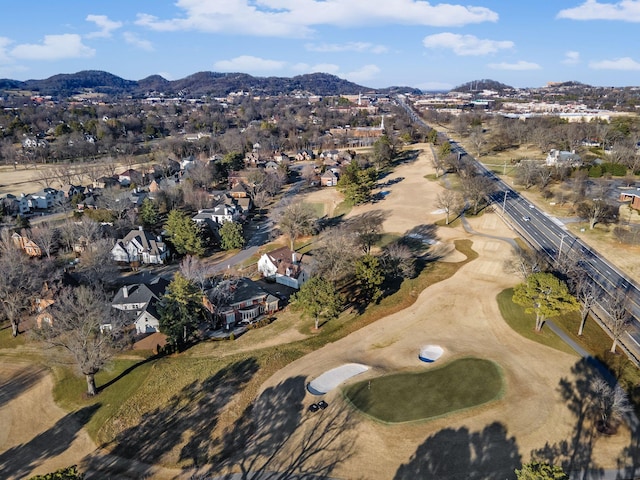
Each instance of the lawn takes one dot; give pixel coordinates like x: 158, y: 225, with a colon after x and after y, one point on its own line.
x: 524, y: 323
x: 432, y: 393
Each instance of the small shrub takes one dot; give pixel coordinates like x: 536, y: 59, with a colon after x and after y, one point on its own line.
x: 595, y: 171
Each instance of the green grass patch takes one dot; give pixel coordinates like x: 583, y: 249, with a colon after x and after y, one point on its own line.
x: 432, y: 177
x: 524, y: 323
x: 70, y: 390
x: 387, y: 239
x: 454, y: 221
x: 342, y: 209
x: 318, y: 208
x: 409, y: 397
x: 7, y: 340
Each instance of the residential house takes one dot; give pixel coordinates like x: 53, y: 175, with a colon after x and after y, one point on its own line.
x: 139, y: 302
x: 69, y: 190
x: 26, y: 245
x: 303, y: 155
x: 130, y: 176
x: 140, y: 246
x: 223, y: 212
x: 106, y: 182
x: 284, y: 266
x: 248, y: 302
x: 557, y: 158
x: 329, y: 179
x: 45, y: 199
x: 163, y: 184
x: 14, y: 205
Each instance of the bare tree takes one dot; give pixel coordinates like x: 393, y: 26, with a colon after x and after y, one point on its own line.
x: 619, y: 318
x: 21, y: 279
x: 335, y: 256
x: 398, y: 261
x: 597, y: 211
x: 449, y: 201
x: 526, y: 262
x: 114, y: 200
x: 478, y: 139
x: 308, y: 173
x: 261, y: 200
x: 85, y: 328
x: 44, y: 176
x: 196, y: 270
x: 297, y: 219
x: 367, y: 228
x: 609, y: 404
x: 476, y: 189
x: 63, y: 173
x: 527, y: 173
x: 587, y: 293
x: 46, y: 237
x: 96, y: 265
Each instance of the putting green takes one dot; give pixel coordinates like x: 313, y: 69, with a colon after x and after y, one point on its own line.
x: 406, y: 397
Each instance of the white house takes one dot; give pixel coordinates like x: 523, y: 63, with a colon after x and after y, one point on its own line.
x: 139, y: 302
x: 560, y: 157
x: 223, y: 212
x: 16, y: 205
x: 284, y: 267
x: 141, y: 247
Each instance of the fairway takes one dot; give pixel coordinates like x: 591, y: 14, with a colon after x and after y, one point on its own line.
x: 407, y: 397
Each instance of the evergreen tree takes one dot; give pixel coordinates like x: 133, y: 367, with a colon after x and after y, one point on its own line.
x: 318, y: 298
x: 181, y: 311
x: 149, y: 213
x: 184, y: 234
x: 231, y: 236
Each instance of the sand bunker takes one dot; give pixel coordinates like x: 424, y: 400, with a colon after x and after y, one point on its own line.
x: 334, y: 377
x: 430, y: 353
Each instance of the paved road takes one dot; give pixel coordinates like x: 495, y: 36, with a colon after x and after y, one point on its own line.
x: 550, y: 236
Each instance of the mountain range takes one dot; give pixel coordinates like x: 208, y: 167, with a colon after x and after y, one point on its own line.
x: 196, y: 85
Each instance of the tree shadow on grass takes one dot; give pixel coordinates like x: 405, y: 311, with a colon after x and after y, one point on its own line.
x: 454, y: 454
x: 277, y: 439
x: 126, y: 372
x: 576, y: 454
x: 182, y: 429
x: 19, y: 383
x: 19, y: 461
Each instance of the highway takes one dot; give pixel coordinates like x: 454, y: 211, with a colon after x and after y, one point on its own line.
x: 549, y: 235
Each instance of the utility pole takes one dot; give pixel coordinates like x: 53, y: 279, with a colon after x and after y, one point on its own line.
x: 561, y: 243
x: 504, y: 202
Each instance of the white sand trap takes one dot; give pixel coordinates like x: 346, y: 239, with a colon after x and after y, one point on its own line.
x: 334, y: 377
x: 430, y: 353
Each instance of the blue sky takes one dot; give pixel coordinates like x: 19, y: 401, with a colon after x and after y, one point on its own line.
x: 376, y: 43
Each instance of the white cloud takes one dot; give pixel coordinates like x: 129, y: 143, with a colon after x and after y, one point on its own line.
x: 106, y: 26
x: 521, y: 65
x: 53, y: 47
x: 296, y: 18
x: 248, y: 63
x: 571, y: 58
x: 4, y: 54
x: 363, y: 47
x: 133, y: 39
x: 465, y: 44
x: 625, y: 63
x: 625, y: 10
x: 363, y: 74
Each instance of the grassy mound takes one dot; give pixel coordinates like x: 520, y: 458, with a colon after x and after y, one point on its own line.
x: 407, y: 397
